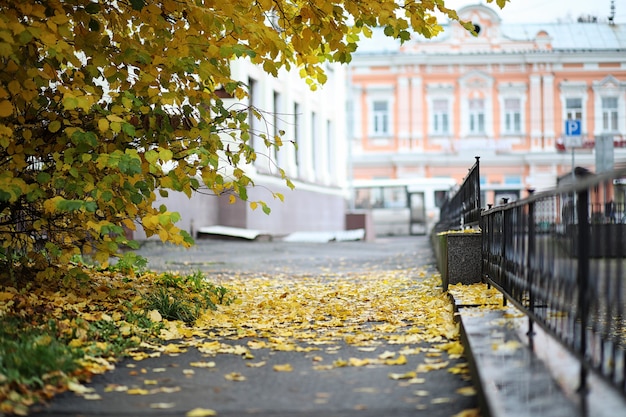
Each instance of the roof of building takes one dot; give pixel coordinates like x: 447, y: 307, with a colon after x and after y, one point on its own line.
x: 559, y: 36
x: 571, y: 35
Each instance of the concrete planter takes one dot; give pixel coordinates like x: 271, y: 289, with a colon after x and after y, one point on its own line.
x: 459, y: 258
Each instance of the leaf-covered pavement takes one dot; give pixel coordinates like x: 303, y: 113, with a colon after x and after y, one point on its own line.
x: 377, y: 342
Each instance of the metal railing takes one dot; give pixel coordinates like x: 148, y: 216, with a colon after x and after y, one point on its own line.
x: 464, y: 207
x: 560, y: 256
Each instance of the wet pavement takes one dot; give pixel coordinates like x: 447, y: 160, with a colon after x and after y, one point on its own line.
x: 169, y: 386
x: 509, y: 378
x: 276, y: 256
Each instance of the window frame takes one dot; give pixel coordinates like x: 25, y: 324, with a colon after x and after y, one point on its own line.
x: 476, y: 117
x: 440, y: 119
x: 512, y: 120
x: 610, y: 115
x: 376, y: 115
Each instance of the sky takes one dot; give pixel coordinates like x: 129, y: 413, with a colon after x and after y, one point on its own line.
x: 546, y: 11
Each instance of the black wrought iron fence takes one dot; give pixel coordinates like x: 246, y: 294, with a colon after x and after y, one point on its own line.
x: 560, y: 256
x: 463, y: 208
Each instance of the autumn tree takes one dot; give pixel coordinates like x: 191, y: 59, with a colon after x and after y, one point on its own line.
x: 104, y: 104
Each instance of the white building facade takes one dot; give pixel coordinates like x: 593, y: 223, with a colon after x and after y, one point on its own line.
x: 313, y: 156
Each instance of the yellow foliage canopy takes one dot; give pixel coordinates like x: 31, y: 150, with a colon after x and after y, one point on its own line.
x: 102, y: 103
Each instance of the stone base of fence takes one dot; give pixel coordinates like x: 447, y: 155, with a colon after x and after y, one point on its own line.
x: 458, y: 257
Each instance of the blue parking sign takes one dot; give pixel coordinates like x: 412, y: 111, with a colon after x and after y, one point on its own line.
x: 572, y: 128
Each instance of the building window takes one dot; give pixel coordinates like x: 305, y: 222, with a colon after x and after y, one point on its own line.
x: 330, y: 151
x: 441, y: 117
x: 609, y: 114
x: 297, y: 123
x: 574, y: 108
x: 276, y: 122
x: 477, y: 116
x: 314, y: 158
x: 380, y: 118
x: 512, y: 115
x: 254, y: 121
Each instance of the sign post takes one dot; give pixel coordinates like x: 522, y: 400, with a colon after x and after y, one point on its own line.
x: 573, y: 139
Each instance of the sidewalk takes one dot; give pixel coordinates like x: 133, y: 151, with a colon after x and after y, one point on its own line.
x: 169, y: 386
x: 511, y: 382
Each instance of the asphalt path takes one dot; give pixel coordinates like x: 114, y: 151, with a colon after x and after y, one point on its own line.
x: 172, y: 388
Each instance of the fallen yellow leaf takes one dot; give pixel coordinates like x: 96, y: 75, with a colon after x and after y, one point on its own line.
x: 235, y: 376
x: 202, y: 364
x: 407, y: 375
x: 201, y: 412
x: 78, y: 388
x: 162, y: 405
x: 6, y: 296
x: 508, y: 346
x: 441, y: 400
x: 358, y: 362
x: 137, y: 391
x: 400, y: 360
x: 387, y: 355
x: 472, y: 412
x: 467, y: 391
x: 283, y: 368
x: 155, y: 316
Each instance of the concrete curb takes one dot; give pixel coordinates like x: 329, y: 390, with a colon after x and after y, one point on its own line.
x: 511, y: 380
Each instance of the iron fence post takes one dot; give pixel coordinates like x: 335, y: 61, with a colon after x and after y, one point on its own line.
x: 477, y: 193
x: 584, y: 236
x: 529, y: 270
x: 502, y: 278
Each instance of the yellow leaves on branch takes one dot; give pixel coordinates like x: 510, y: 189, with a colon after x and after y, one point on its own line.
x: 109, y: 119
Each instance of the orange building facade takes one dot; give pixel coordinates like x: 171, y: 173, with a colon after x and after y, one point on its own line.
x: 426, y: 108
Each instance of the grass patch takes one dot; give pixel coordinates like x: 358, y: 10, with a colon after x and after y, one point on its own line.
x: 33, y: 356
x: 56, y: 331
x: 186, y: 297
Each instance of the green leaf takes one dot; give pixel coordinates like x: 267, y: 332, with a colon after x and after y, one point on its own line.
x: 43, y: 177
x: 151, y: 156
x: 404, y: 36
x: 91, y: 206
x: 70, y: 103
x: 165, y: 154
x: 92, y: 8
x: 137, y: 4
x: 70, y: 205
x: 106, y: 196
x: 54, y: 126
x: 25, y: 37
x: 5, y: 196
x: 128, y: 129
x: 164, y: 219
